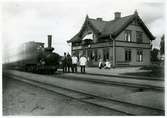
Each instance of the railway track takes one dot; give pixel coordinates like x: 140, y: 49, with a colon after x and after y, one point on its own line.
x: 127, y: 77
x: 122, y: 107
x: 141, y: 87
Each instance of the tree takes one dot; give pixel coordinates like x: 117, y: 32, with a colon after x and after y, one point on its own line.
x: 162, y: 44
x: 154, y: 55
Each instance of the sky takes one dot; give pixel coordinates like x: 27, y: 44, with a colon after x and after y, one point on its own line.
x: 24, y: 21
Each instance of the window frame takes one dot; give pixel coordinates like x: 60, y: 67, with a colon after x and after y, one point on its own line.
x: 128, y: 55
x: 127, y: 34
x: 95, y: 55
x: 139, y: 53
x: 106, y: 54
x: 139, y: 37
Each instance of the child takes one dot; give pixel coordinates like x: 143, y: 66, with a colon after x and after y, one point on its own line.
x: 107, y: 64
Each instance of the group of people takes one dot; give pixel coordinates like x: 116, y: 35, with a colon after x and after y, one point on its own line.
x: 106, y: 65
x: 70, y: 63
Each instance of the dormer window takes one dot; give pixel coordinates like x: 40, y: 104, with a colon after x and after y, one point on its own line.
x: 128, y: 36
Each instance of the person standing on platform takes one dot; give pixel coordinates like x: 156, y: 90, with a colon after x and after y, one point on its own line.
x: 100, y: 63
x: 64, y: 63
x: 83, y: 61
x: 69, y: 62
x: 74, y: 63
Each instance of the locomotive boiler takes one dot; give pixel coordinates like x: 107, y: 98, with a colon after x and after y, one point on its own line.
x: 34, y: 57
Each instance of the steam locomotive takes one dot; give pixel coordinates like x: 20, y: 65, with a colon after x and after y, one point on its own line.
x: 34, y: 57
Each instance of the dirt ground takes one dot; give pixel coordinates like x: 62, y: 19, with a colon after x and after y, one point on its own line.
x: 23, y: 99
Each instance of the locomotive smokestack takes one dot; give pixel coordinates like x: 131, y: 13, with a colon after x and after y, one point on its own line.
x: 49, y: 41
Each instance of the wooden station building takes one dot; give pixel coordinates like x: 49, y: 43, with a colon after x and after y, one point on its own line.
x: 124, y: 41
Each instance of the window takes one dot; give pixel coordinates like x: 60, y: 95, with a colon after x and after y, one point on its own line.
x: 90, y: 54
x: 128, y: 36
x: 105, y: 54
x: 127, y: 55
x: 76, y: 53
x: 95, y: 55
x: 99, y: 54
x: 139, y: 55
x: 139, y: 37
x: 81, y: 52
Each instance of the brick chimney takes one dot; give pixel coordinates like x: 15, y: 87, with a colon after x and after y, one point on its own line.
x: 99, y: 19
x: 117, y: 15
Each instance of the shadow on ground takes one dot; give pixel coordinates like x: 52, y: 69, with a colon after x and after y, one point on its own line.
x: 153, y: 71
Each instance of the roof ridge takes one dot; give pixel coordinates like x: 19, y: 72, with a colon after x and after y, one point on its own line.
x: 97, y: 20
x: 122, y: 18
x: 113, y: 23
x: 110, y: 20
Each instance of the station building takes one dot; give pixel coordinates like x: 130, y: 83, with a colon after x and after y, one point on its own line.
x: 124, y: 41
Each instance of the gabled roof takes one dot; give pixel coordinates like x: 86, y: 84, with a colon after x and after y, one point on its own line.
x: 75, y: 38
x: 113, y: 28
x: 99, y: 25
x: 114, y: 25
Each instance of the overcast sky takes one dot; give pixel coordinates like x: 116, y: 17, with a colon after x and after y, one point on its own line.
x: 33, y: 21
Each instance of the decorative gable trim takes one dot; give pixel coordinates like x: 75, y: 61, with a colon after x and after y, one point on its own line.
x: 141, y: 23
x: 116, y: 31
x: 145, y: 28
x: 86, y: 24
